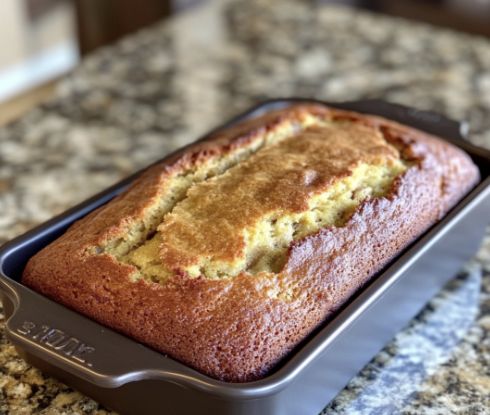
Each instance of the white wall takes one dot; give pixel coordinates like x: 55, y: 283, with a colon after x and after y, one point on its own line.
x: 33, y: 52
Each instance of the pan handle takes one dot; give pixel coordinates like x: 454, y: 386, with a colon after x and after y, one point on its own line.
x: 431, y: 122
x: 86, y: 349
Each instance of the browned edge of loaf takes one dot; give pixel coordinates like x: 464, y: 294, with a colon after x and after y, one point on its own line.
x: 228, y: 328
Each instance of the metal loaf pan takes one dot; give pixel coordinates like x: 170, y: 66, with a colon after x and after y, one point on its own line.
x: 133, y: 379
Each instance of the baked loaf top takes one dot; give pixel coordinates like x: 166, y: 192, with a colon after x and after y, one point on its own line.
x: 230, y: 252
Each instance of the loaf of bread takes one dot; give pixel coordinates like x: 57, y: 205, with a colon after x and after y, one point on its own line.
x: 229, y: 253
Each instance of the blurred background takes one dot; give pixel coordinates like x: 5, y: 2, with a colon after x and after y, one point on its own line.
x: 44, y: 39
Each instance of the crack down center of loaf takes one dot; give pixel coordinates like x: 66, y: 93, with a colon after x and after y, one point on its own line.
x: 241, y: 212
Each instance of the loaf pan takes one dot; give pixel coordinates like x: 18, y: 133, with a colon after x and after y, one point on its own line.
x: 134, y: 379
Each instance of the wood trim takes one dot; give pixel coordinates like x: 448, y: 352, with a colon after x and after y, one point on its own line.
x: 101, y: 22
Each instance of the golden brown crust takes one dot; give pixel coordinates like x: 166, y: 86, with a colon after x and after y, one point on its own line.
x: 272, y: 180
x: 229, y: 328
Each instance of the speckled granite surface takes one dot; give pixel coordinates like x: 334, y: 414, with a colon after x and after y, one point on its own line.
x: 130, y: 104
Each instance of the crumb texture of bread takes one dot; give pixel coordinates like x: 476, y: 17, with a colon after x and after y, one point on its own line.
x: 230, y: 252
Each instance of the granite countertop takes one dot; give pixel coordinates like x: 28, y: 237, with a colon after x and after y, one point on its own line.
x: 128, y: 105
